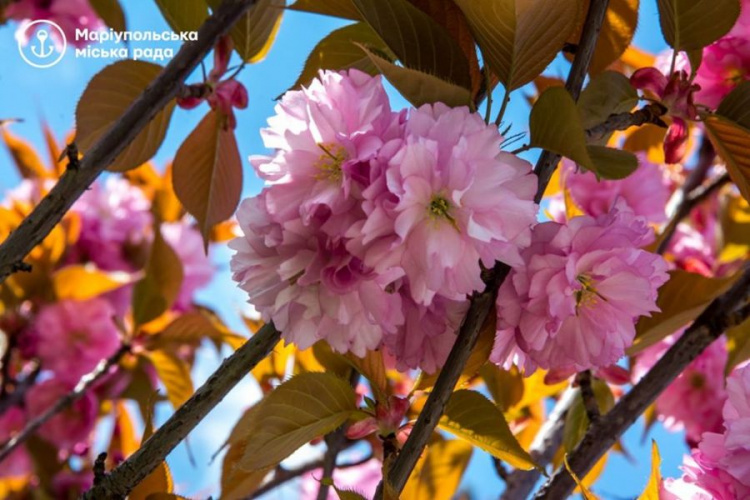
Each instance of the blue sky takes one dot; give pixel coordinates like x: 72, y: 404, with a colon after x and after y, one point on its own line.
x: 51, y: 94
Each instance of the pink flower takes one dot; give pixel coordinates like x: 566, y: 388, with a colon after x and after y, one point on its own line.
x: 72, y: 427
x: 428, y: 333
x: 741, y: 28
x: 221, y: 95
x: 327, y: 138
x: 74, y: 336
x: 115, y: 220
x: 645, y: 192
x: 68, y: 14
x: 18, y: 463
x: 693, y: 400
x: 197, y: 269
x: 573, y: 304
x: 691, y: 251
x: 454, y: 200
x: 677, y: 94
x: 702, y: 480
x: 386, y: 420
x: 363, y: 479
x: 735, y: 456
x: 726, y: 63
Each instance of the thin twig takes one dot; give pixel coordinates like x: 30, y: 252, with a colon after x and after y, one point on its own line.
x: 51, y: 209
x: 587, y: 395
x: 728, y: 310
x: 86, y: 382
x: 503, y: 107
x: 335, y: 442
x: 481, y: 303
x: 695, y: 198
x: 19, y: 390
x: 548, y: 440
x: 650, y: 113
x: 132, y: 471
x: 502, y: 472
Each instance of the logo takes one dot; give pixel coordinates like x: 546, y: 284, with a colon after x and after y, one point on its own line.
x: 42, y: 43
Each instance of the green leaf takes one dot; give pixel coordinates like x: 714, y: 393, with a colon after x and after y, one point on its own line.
x: 174, y: 373
x: 738, y: 345
x: 183, y: 15
x: 338, y: 51
x: 348, y: 494
x: 254, y: 33
x: 681, y: 300
x: 307, y: 406
x: 335, y: 8
x: 555, y: 125
x: 207, y: 173
x: 420, y: 43
x: 732, y: 143
x: 473, y: 418
x: 438, y: 472
x: 110, y: 12
x: 651, y: 492
x: 607, y: 93
x: 577, y: 421
x: 420, y: 88
x: 519, y: 38
x: 694, y: 24
x: 107, y: 96
x: 505, y: 386
x: 158, y: 289
x: 736, y: 105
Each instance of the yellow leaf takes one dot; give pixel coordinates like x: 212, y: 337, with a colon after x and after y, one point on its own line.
x: 109, y: 93
x: 85, y: 281
x: 694, y: 24
x: 159, y: 481
x: 273, y: 366
x: 473, y: 418
x: 738, y: 345
x: 27, y: 162
x: 188, y: 328
x: 636, y: 58
x: 519, y: 38
x: 681, y: 300
x: 157, y: 291
x: 237, y: 483
x: 224, y: 231
x: 183, y: 15
x: 207, y: 174
x: 585, y: 492
x: 124, y: 442
x: 299, y: 410
x: 505, y: 386
x: 735, y: 228
x: 438, y: 472
x: 254, y: 34
x: 648, y: 138
x: 654, y: 481
x: 174, y: 373
x: 372, y: 367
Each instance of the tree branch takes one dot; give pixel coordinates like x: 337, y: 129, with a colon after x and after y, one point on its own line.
x: 132, y: 471
x: 587, y: 396
x: 650, y: 113
x: 51, y: 209
x: 481, y: 303
x: 543, y: 449
x: 86, y: 382
x: 728, y: 310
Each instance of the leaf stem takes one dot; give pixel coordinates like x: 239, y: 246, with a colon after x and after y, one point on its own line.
x: 503, y: 106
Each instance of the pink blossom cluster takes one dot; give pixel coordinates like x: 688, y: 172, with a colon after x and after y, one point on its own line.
x: 373, y: 223
x: 573, y: 303
x: 693, y: 401
x: 719, y: 469
x: 69, y: 15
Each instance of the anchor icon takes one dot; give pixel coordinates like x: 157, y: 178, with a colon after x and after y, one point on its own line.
x: 42, y: 36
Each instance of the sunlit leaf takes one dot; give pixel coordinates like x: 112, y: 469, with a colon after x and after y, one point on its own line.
x: 372, y: 367
x: 188, y: 328
x: 681, y: 300
x: 420, y: 88
x: 694, y: 24
x: 473, y: 418
x: 305, y: 407
x: 735, y: 229
x: 336, y: 8
x: 157, y: 482
x: 26, y: 160
x: 505, y: 386
x: 585, y: 492
x: 158, y: 289
x: 738, y: 345
x: 109, y: 93
x: 577, y: 421
x: 338, y: 51
x: 607, y: 93
x: 83, y: 282
x: 729, y: 131
x: 649, y: 139
x: 207, y: 173
x: 110, y: 12
x: 174, y: 373
x: 183, y: 15
x: 237, y: 483
x: 654, y: 480
x: 519, y: 38
x: 420, y: 43
x: 439, y: 471
x: 254, y: 34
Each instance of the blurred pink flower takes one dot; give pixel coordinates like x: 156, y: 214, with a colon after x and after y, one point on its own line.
x: 457, y: 200
x: 18, y: 463
x: 726, y: 63
x: 71, y: 427
x: 72, y: 337
x: 115, y: 218
x: 363, y: 479
x: 574, y: 303
x: 676, y: 92
x: 197, y: 269
x: 701, y: 480
x: 741, y: 28
x: 68, y: 14
x: 735, y: 456
x: 694, y: 399
x: 645, y: 192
